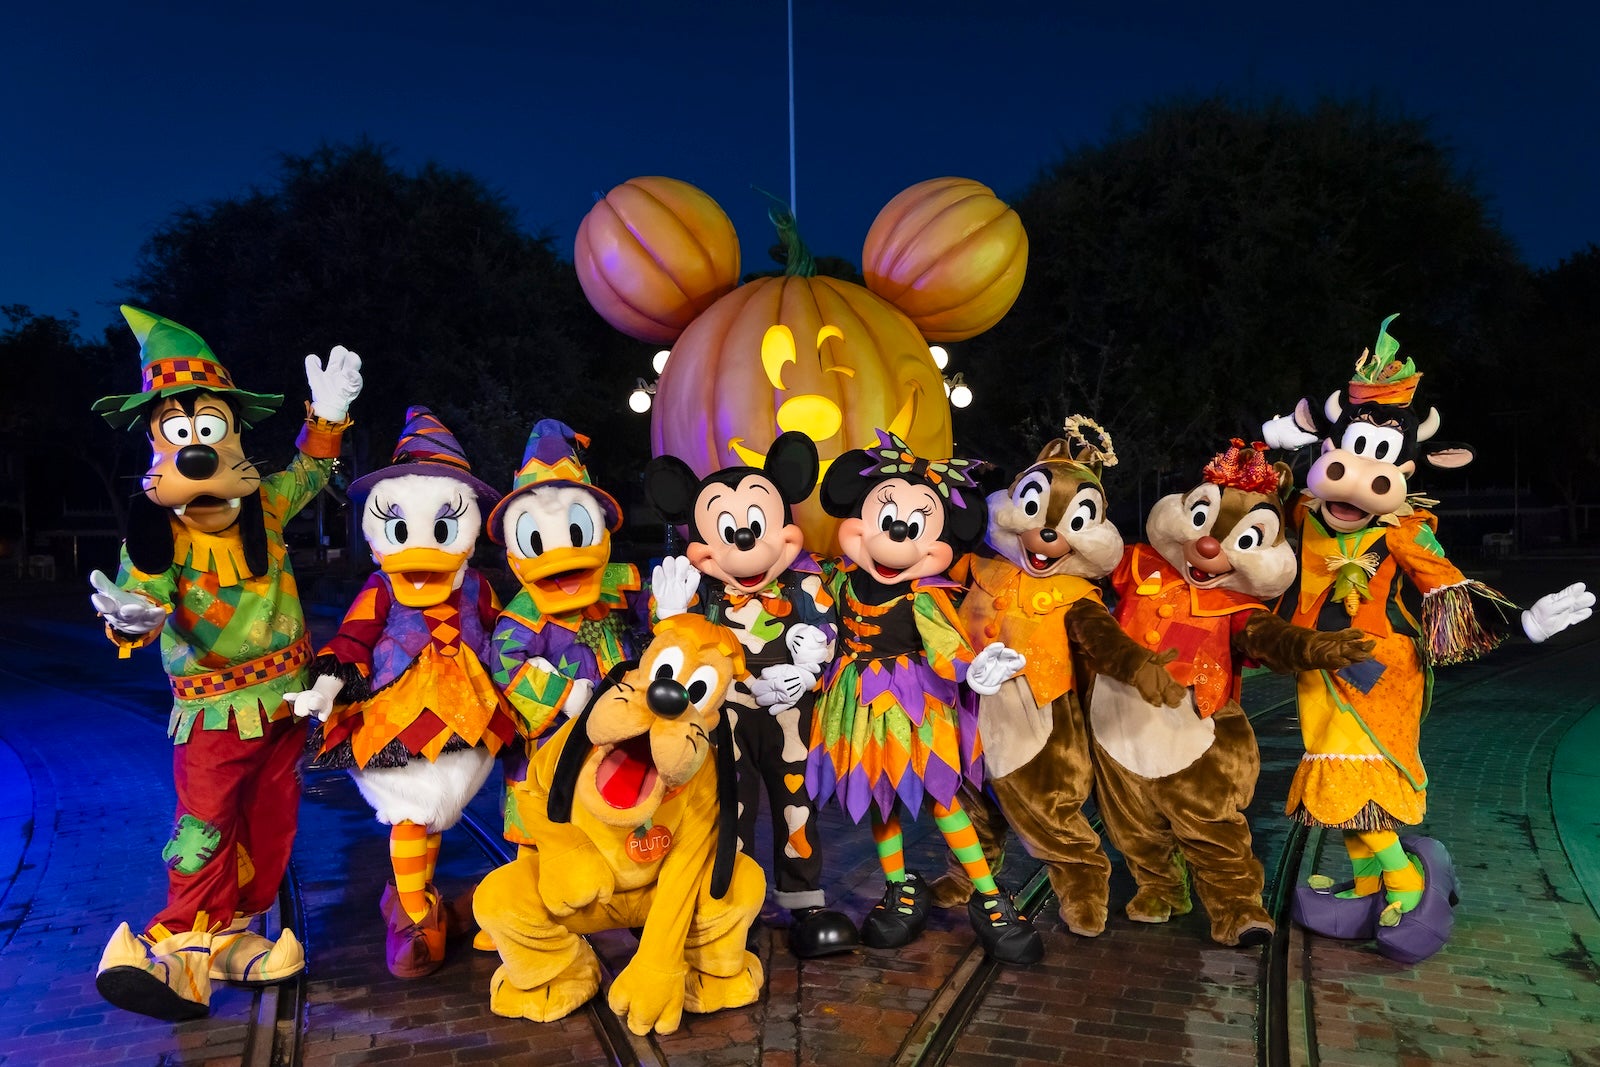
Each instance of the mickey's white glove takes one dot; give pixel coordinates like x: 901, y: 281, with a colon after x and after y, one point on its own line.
x: 992, y: 667
x: 809, y: 647
x: 318, y: 700
x: 674, y: 582
x: 1554, y: 612
x: 128, y: 613
x: 333, y: 389
x: 1282, y: 432
x: 781, y: 686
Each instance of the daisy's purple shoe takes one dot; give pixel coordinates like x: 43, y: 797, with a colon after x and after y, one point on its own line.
x: 1424, y: 929
x: 1323, y: 911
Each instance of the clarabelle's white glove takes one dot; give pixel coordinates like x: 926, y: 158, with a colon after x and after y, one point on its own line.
x: 334, y: 388
x: 993, y: 667
x: 809, y: 647
x: 318, y: 700
x: 1554, y: 612
x: 673, y: 582
x: 1282, y: 432
x: 128, y: 613
x: 780, y: 686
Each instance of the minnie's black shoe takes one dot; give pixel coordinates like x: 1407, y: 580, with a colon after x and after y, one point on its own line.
x: 1005, y: 935
x: 899, y: 918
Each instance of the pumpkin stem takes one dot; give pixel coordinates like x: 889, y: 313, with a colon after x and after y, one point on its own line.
x: 797, y: 259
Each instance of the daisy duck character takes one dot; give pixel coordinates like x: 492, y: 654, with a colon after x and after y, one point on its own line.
x: 404, y: 698
x: 746, y: 569
x: 205, y: 569
x: 1367, y: 549
x: 568, y: 626
x: 893, y: 728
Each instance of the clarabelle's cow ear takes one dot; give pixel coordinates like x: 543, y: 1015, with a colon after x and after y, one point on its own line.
x: 1446, y: 456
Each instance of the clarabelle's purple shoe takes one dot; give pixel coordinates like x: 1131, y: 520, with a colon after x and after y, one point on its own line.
x: 1323, y: 911
x: 1424, y: 929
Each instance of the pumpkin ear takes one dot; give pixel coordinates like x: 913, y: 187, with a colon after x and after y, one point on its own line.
x: 963, y: 526
x: 791, y: 464
x: 672, y: 487
x: 844, y: 487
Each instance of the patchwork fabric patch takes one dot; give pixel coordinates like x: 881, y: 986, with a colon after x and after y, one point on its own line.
x: 1362, y: 675
x: 193, y: 844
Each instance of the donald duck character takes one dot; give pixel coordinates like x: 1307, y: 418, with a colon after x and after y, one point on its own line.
x: 418, y: 722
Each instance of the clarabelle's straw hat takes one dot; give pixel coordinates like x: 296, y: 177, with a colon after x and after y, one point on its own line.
x: 174, y: 359
x: 551, y: 458
x: 426, y: 448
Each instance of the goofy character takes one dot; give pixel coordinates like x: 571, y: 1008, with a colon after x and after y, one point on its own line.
x: 1365, y: 544
x: 205, y: 569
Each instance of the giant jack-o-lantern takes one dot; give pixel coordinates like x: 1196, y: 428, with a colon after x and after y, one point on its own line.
x: 827, y: 357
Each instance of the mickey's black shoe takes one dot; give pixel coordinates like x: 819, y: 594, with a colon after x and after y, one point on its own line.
x: 899, y: 918
x: 817, y: 932
x: 1005, y: 935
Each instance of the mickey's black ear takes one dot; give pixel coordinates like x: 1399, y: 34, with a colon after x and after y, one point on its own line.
x: 576, y: 749
x: 844, y: 486
x: 253, y: 533
x: 727, y: 810
x: 149, y: 540
x: 671, y: 485
x: 792, y: 466
x: 964, y: 526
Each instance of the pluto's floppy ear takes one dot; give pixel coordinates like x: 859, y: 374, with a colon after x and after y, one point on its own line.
x: 253, y: 533
x: 792, y: 464
x: 576, y: 749
x: 727, y: 810
x: 672, y: 487
x: 149, y: 540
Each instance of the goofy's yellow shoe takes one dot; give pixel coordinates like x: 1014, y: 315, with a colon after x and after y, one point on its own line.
x: 239, y: 954
x: 165, y: 976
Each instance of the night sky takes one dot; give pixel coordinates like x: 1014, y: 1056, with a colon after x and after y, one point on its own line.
x: 112, y: 118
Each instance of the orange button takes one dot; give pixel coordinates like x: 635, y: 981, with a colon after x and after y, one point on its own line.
x: 991, y: 632
x: 1002, y: 602
x: 1152, y: 636
x: 1165, y: 611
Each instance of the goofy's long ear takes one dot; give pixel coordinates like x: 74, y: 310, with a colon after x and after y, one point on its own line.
x: 727, y: 810
x: 576, y: 749
x: 149, y: 540
x: 672, y: 487
x: 253, y: 533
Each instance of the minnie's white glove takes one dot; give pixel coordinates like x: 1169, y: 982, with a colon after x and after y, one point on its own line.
x: 780, y: 686
x: 334, y: 388
x: 1554, y: 612
x: 673, y: 582
x: 1282, y: 432
x: 992, y: 667
x: 809, y: 647
x: 318, y: 700
x: 128, y: 613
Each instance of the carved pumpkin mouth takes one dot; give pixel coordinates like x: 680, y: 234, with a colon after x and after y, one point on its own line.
x: 627, y: 774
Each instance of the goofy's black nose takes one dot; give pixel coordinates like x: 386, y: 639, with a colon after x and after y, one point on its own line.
x: 667, y: 698
x: 898, y: 530
x: 744, y: 538
x: 197, y: 462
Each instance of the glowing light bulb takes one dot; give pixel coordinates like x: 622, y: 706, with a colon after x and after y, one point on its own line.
x: 960, y: 392
x: 660, y: 360
x: 940, y: 356
x: 639, y: 399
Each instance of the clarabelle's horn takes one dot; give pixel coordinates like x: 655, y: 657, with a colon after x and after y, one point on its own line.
x: 1429, y: 426
x: 1333, y: 409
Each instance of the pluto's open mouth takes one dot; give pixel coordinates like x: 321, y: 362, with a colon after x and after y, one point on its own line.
x: 627, y: 774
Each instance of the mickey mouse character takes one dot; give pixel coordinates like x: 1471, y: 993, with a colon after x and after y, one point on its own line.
x: 746, y: 569
x: 893, y: 727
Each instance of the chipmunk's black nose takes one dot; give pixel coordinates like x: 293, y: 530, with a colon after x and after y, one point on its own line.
x: 197, y: 462
x: 667, y: 698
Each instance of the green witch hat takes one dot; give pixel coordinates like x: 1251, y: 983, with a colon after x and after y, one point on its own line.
x: 174, y: 359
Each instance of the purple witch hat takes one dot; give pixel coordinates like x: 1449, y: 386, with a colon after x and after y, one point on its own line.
x: 426, y: 447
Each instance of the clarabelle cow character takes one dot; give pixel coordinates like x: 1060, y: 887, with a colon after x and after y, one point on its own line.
x: 418, y: 721
x: 747, y: 569
x: 1366, y: 549
x: 1178, y: 779
x: 205, y: 569
x: 1049, y: 539
x: 893, y: 728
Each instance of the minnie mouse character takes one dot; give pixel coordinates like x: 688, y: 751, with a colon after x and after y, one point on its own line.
x: 746, y: 569
x: 893, y: 726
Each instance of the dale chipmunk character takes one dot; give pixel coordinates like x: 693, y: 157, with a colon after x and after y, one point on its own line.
x: 1175, y: 781
x: 746, y: 568
x: 1048, y: 540
x: 205, y: 569
x: 403, y: 694
x: 894, y: 728
x: 1367, y: 549
x: 632, y: 808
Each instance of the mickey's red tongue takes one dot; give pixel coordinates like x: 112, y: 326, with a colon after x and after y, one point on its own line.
x: 627, y: 773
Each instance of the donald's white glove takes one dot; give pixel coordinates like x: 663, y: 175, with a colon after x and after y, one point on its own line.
x: 1282, y: 432
x: 1554, y: 612
x: 992, y: 667
x: 673, y: 582
x: 333, y: 389
x: 128, y: 613
x: 809, y: 647
x: 781, y: 685
x: 318, y: 700
x: 578, y: 697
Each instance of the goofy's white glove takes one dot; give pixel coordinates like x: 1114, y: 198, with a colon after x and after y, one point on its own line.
x: 809, y: 647
x: 993, y: 667
x: 673, y: 582
x: 780, y: 686
x: 334, y: 388
x: 1554, y: 612
x: 1282, y: 432
x: 318, y: 700
x: 128, y: 613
